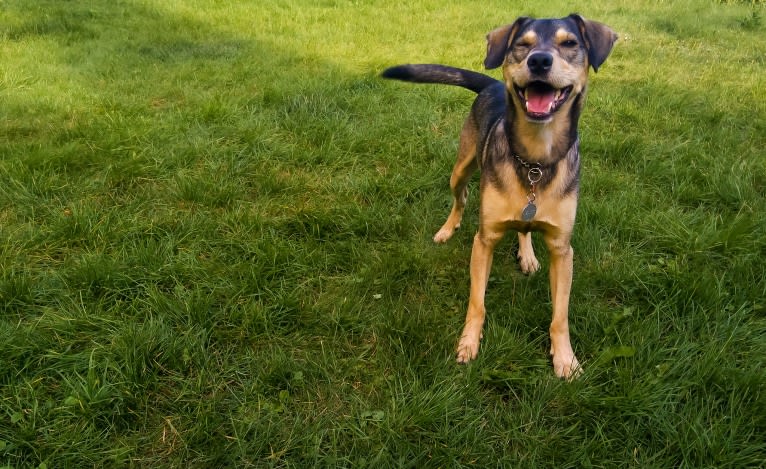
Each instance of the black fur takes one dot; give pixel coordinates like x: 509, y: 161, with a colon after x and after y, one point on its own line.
x: 489, y: 108
x: 442, y: 74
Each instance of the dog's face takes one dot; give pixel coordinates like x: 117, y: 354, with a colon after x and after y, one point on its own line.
x: 545, y: 61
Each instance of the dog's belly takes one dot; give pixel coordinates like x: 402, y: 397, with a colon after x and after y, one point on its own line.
x: 526, y: 226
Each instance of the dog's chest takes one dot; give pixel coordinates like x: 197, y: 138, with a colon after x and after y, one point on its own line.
x: 526, y: 196
x: 508, y: 199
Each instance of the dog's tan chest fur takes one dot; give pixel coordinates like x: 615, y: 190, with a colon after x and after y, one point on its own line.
x: 505, y: 202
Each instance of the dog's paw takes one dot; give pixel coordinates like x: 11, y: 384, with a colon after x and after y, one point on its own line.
x: 566, y: 366
x: 468, y: 347
x: 444, y: 234
x: 528, y: 263
x: 467, y: 350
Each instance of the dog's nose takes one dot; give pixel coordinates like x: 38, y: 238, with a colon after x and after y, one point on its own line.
x: 540, y: 62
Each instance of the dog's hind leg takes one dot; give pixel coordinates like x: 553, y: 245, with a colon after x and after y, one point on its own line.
x: 527, y: 260
x: 461, y: 173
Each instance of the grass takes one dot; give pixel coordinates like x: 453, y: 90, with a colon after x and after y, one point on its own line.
x: 215, y: 249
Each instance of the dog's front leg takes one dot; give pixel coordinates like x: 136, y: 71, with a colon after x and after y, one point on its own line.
x: 565, y: 364
x: 481, y: 263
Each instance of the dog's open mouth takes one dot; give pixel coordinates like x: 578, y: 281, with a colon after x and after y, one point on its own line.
x: 542, y: 100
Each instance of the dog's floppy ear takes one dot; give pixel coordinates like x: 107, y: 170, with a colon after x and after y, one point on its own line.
x: 599, y: 39
x: 498, y: 41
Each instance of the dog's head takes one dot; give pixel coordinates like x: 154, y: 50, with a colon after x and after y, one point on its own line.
x: 545, y: 61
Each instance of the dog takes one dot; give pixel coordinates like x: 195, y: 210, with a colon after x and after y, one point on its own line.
x: 522, y: 135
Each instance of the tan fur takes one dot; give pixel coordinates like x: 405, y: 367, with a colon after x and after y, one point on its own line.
x: 532, y: 121
x: 499, y: 212
x: 564, y: 35
x: 502, y: 204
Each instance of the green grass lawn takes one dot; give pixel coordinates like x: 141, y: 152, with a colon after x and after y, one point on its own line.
x: 215, y: 242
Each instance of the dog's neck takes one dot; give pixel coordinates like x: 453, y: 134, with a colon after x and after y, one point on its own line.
x: 545, y: 144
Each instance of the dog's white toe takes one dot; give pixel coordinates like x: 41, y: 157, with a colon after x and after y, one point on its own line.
x: 467, y: 350
x: 566, y: 366
x: 529, y: 264
x: 442, y: 236
x: 468, y: 347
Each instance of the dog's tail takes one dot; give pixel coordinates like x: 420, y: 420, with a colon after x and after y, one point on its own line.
x: 432, y: 73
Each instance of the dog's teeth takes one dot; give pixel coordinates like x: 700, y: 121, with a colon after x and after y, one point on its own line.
x: 557, y: 96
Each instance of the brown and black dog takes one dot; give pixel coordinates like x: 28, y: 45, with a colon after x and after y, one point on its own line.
x: 522, y: 133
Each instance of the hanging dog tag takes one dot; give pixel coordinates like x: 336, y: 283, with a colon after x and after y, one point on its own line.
x: 529, y: 212
x: 534, y: 174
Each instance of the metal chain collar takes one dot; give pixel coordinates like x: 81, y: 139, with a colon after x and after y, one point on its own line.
x: 534, y: 174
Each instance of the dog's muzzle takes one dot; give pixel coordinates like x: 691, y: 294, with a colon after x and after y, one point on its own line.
x: 541, y: 100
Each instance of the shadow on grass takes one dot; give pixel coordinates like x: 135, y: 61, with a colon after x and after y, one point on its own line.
x: 184, y: 239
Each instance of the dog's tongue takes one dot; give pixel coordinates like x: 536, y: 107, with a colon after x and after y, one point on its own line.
x: 538, y: 101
